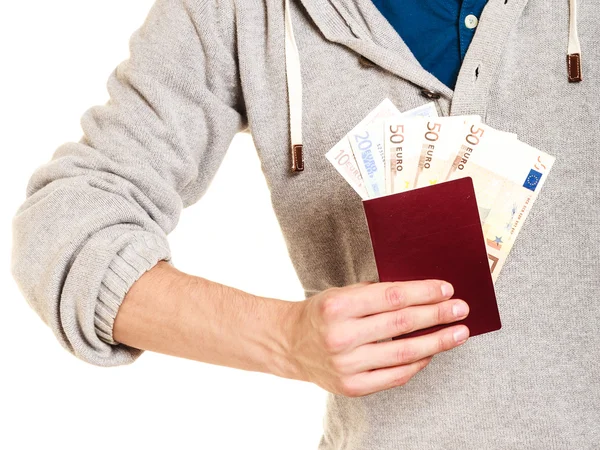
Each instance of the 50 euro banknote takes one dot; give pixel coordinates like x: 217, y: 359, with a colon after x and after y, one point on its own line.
x: 438, y: 148
x: 507, y: 177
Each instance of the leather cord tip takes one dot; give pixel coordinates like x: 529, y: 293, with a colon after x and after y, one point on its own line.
x: 297, y: 158
x: 574, y: 67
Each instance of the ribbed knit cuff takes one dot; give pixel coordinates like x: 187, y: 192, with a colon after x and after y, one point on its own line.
x: 128, y: 265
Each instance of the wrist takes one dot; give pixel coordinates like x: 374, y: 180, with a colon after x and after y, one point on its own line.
x: 285, y: 363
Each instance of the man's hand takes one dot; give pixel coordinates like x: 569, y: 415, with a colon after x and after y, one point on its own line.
x: 333, y: 341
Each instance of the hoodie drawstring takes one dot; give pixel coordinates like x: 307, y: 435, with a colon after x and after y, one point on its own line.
x: 294, y: 87
x: 574, y: 50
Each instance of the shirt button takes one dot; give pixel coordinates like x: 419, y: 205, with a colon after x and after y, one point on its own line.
x: 471, y: 21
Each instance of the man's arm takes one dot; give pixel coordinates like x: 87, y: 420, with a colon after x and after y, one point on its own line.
x: 329, y: 339
x: 171, y: 312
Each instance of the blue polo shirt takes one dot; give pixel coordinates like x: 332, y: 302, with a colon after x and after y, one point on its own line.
x: 438, y: 32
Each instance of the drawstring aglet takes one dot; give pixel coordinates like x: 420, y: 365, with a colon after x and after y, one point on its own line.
x: 574, y: 67
x: 297, y: 158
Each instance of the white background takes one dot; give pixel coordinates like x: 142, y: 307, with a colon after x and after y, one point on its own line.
x: 56, y: 58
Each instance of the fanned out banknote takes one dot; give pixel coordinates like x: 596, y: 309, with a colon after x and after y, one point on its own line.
x: 390, y: 152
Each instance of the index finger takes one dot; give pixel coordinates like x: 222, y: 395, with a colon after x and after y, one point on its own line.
x: 390, y: 296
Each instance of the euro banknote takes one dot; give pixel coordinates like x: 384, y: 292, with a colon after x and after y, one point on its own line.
x: 507, y: 177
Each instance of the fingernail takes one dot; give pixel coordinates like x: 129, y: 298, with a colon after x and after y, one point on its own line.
x: 460, y: 309
x: 461, y: 335
x: 447, y: 289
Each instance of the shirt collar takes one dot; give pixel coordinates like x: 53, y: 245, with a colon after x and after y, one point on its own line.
x: 360, y: 26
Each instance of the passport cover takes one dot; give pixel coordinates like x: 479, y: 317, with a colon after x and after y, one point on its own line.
x: 435, y: 232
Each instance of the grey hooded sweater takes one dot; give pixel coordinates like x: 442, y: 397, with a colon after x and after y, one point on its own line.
x: 97, y: 215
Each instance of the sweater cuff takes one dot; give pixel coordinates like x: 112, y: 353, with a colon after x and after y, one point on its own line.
x: 128, y: 265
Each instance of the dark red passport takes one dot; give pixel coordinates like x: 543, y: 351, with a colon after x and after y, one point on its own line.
x: 435, y: 232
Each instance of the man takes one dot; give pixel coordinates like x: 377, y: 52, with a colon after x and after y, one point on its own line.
x: 91, y: 254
